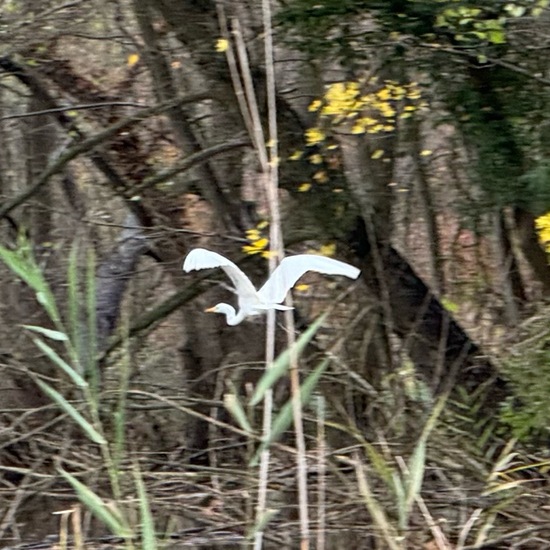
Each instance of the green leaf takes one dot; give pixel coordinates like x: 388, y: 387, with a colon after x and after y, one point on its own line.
x: 496, y: 36
x: 514, y: 10
x: 96, y: 505
x: 235, y: 407
x: 91, y: 315
x: 417, y: 463
x: 284, y: 418
x: 375, y: 509
x: 48, y: 333
x: 22, y: 263
x: 282, y: 362
x: 401, y: 500
x: 73, y: 306
x: 262, y: 522
x: 89, y: 430
x: 57, y: 360
x: 416, y: 473
x: 148, y: 536
x: 379, y: 463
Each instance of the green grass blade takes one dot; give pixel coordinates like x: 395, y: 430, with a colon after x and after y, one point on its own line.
x: 48, y: 333
x: 73, y: 303
x: 399, y: 490
x: 375, y: 509
x: 91, y: 315
x: 148, y: 536
x: 22, y: 263
x: 54, y: 395
x: 236, y: 409
x: 59, y: 361
x: 384, y: 470
x: 416, y: 474
x: 96, y: 505
x: 262, y: 523
x: 417, y: 463
x: 281, y: 364
x: 284, y: 418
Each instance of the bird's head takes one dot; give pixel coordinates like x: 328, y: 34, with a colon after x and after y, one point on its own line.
x: 218, y: 308
x: 229, y: 311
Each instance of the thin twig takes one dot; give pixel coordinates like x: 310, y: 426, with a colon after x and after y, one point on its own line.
x: 83, y: 107
x: 258, y: 133
x: 233, y: 69
x: 465, y: 531
x: 88, y: 144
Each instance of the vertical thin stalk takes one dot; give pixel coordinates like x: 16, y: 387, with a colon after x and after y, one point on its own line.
x: 277, y: 246
x: 321, y: 473
x: 269, y: 163
x: 234, y: 70
x: 258, y: 133
x: 259, y: 142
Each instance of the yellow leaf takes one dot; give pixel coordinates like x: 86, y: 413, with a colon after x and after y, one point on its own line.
x: 301, y: 287
x: 221, y: 45
x: 426, y: 153
x: 327, y: 249
x: 449, y: 305
x: 316, y: 159
x: 263, y: 224
x: 261, y: 243
x: 320, y: 176
x: 302, y: 188
x: 297, y: 155
x: 384, y: 94
x: 133, y: 58
x: 379, y: 153
x: 251, y: 250
x: 268, y: 254
x: 314, y: 136
x: 314, y: 106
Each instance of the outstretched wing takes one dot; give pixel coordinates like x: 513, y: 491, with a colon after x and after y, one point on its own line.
x: 200, y: 258
x: 285, y: 276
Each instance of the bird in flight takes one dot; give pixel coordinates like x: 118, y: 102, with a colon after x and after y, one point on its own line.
x: 273, y: 292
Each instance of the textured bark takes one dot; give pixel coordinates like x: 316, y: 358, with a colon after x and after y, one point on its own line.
x: 485, y: 83
x: 510, y: 278
x: 113, y: 275
x: 188, y: 142
x: 531, y: 247
x: 426, y: 199
x: 40, y: 141
x: 442, y: 351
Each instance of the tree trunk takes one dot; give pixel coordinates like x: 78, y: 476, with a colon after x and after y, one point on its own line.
x: 443, y: 353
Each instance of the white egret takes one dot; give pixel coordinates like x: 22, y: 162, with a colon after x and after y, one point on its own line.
x: 273, y: 292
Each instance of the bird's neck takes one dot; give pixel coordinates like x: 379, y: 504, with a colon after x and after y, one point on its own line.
x: 233, y: 318
x: 237, y: 318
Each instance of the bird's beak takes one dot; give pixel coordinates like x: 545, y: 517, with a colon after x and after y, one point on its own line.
x: 210, y: 310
